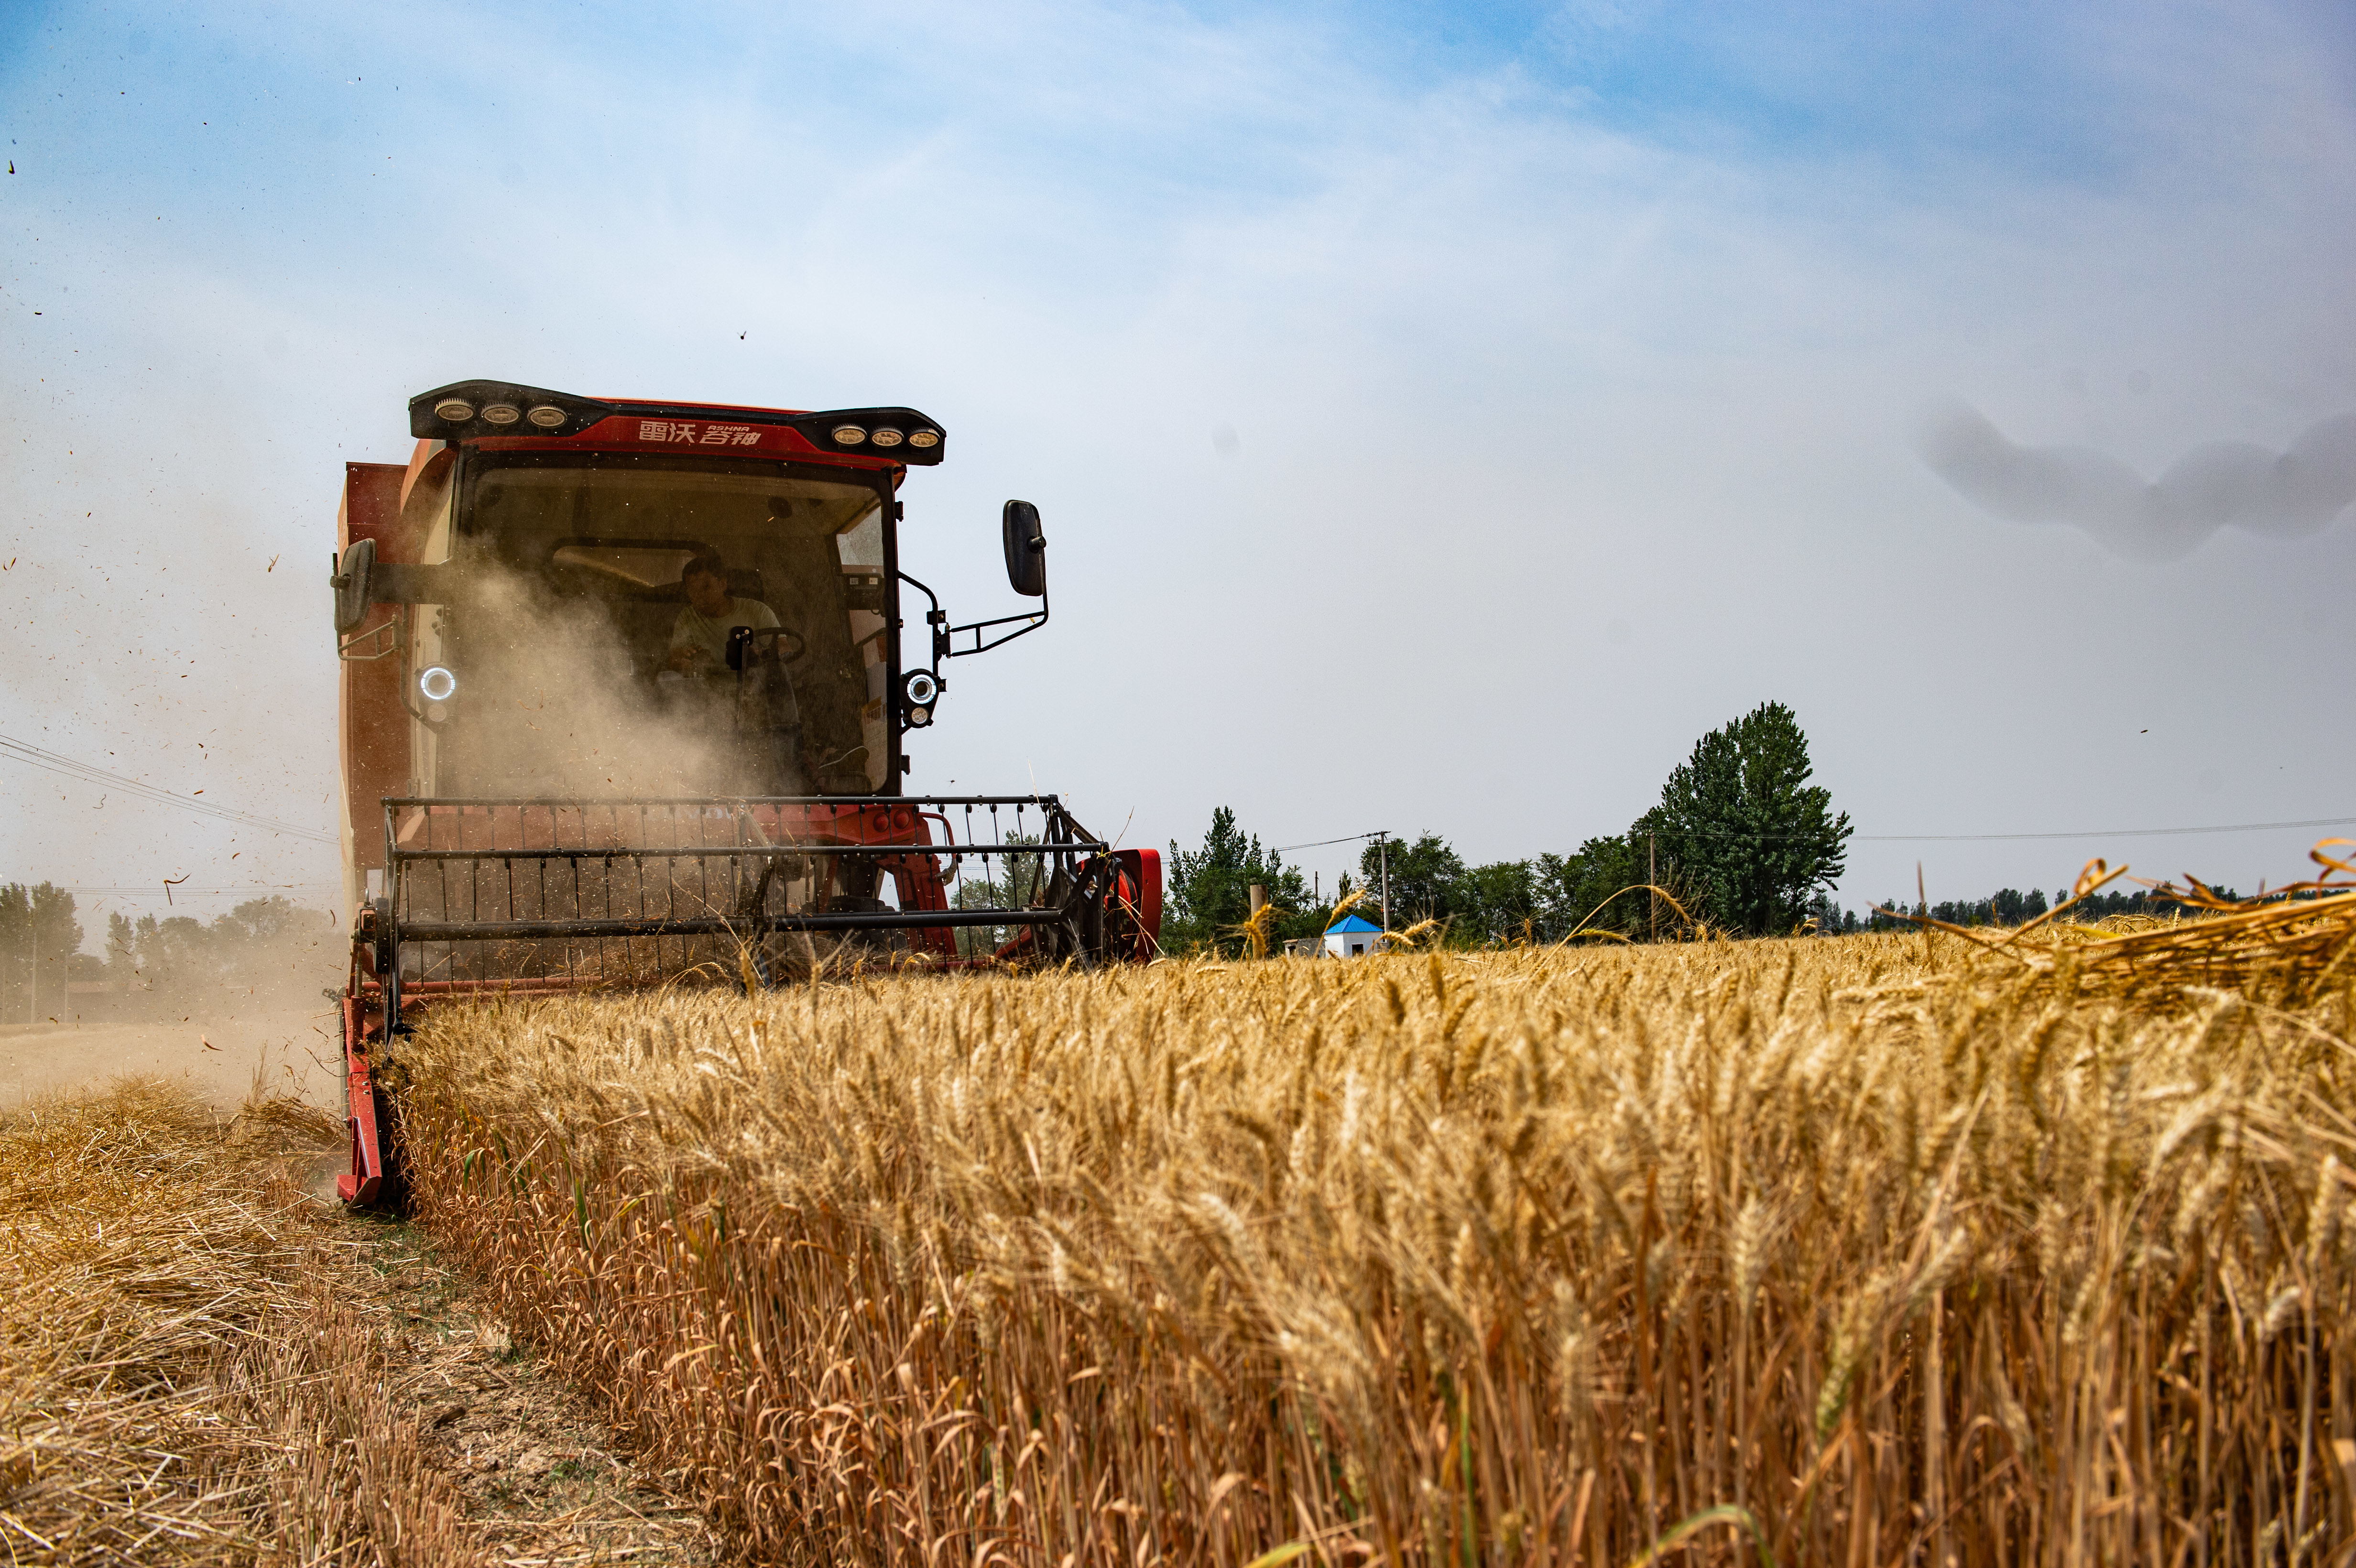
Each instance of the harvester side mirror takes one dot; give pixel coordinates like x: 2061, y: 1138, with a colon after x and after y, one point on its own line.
x: 1026, y: 549
x: 350, y: 583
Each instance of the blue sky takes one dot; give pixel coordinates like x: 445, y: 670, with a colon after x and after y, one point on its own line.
x: 1439, y: 421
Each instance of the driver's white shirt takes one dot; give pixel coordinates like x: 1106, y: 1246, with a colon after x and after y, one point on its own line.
x: 694, y: 629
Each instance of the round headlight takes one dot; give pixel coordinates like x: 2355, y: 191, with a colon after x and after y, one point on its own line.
x: 436, y: 684
x: 503, y: 413
x: 546, y: 416
x: 458, y: 411
x: 924, y: 438
x: 921, y: 688
x: 849, y: 436
x: 887, y: 436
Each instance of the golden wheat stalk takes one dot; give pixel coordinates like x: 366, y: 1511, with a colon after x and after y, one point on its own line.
x: 1515, y: 1257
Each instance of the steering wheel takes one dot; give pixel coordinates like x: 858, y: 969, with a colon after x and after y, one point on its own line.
x: 740, y: 639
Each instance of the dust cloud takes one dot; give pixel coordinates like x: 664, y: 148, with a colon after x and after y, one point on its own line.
x: 221, y: 1057
x: 552, y: 704
x: 215, y: 1005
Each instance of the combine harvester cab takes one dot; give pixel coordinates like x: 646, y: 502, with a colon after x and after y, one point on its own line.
x: 624, y: 700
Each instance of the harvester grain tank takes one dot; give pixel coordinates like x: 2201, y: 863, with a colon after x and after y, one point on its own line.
x: 626, y: 694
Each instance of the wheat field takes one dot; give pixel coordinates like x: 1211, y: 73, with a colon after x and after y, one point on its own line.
x: 1885, y: 1249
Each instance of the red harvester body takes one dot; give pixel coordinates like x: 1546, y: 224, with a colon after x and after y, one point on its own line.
x: 624, y: 698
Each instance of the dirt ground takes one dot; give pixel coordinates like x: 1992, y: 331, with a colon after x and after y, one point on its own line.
x: 542, y: 1479
x: 537, y: 1477
x: 215, y: 1053
x: 203, y: 1367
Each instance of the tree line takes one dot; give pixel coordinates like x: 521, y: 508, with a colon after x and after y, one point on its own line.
x: 253, y: 945
x: 1740, y: 843
x: 40, y: 952
x: 2006, y: 906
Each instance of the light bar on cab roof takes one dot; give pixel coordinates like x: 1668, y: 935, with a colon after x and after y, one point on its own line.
x: 467, y: 410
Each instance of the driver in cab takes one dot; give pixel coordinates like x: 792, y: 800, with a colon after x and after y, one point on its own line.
x: 698, y: 638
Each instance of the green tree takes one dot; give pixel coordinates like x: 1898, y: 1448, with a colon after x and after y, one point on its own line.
x: 1499, y: 903
x: 1427, y: 878
x: 39, y: 936
x: 122, y: 952
x: 1743, y: 823
x: 1572, y: 888
x: 257, y: 922
x: 1209, y: 890
x: 176, y: 951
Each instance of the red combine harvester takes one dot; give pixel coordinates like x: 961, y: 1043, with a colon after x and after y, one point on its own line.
x: 623, y: 701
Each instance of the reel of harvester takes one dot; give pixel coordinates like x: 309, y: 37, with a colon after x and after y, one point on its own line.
x: 539, y: 897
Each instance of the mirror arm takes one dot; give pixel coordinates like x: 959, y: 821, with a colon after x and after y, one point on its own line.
x: 1031, y: 624
x: 935, y: 618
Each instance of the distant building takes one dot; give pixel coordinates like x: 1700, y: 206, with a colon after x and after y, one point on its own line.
x: 1351, y: 937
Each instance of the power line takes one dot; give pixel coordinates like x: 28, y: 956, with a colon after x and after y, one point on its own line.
x: 1948, y: 837
x: 50, y: 762
x: 1345, y: 839
x: 2017, y: 837
x: 2104, y: 832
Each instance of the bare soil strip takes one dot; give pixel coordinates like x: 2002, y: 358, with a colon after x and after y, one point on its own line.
x: 535, y: 1471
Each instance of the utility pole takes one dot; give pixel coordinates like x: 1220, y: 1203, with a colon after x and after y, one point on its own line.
x: 1652, y: 877
x: 1382, y: 857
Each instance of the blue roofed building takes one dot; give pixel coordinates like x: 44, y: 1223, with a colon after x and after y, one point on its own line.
x: 1351, y: 937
